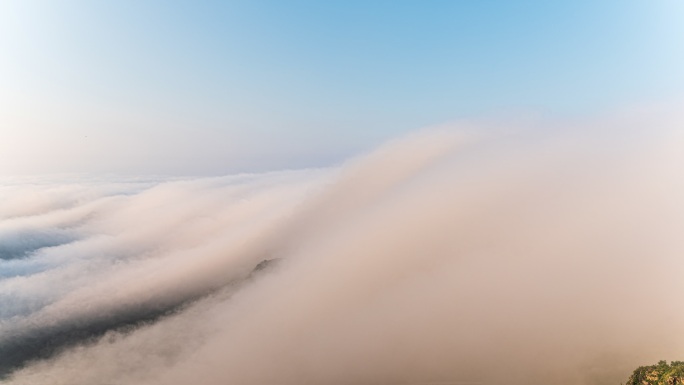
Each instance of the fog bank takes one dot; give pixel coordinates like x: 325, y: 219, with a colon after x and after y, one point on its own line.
x: 548, y: 254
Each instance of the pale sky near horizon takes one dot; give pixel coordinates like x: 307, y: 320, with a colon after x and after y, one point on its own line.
x: 217, y: 87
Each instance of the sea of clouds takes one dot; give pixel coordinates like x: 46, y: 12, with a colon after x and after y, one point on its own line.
x: 547, y: 254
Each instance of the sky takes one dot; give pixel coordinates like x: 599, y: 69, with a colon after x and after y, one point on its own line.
x: 220, y: 87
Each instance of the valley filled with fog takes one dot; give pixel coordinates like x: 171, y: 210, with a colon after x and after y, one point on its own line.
x: 452, y: 255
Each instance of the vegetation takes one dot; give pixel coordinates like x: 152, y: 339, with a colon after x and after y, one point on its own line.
x: 659, y: 374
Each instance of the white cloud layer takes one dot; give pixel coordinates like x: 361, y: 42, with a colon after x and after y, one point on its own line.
x: 538, y: 257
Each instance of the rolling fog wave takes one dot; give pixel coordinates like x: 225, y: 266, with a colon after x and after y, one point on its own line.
x: 451, y: 255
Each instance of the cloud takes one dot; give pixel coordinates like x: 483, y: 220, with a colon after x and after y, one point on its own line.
x: 537, y: 256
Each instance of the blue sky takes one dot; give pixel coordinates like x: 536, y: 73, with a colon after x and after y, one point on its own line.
x: 214, y: 87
